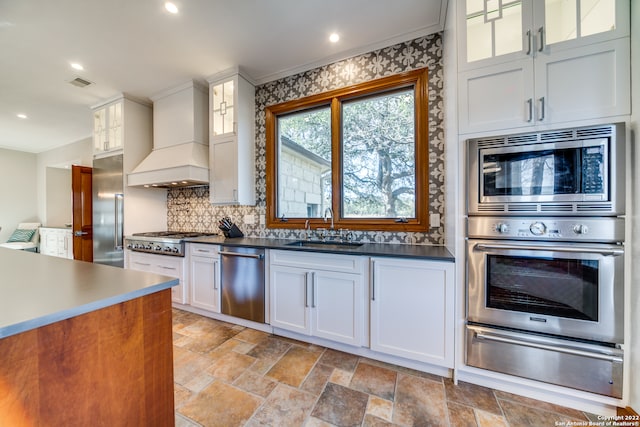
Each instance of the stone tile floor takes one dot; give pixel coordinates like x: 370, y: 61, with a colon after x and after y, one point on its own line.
x: 228, y: 375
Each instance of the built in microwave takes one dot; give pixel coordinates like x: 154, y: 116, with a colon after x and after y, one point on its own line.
x: 577, y: 171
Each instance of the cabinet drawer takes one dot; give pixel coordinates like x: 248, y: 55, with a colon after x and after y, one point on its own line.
x: 199, y: 249
x: 319, y: 261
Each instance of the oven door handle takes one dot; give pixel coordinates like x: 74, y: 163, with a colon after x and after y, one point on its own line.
x: 559, y: 349
x: 582, y: 250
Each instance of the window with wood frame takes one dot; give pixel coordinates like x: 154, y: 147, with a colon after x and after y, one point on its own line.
x: 361, y: 150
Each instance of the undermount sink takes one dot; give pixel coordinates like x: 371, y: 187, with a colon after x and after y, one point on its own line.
x: 323, y: 245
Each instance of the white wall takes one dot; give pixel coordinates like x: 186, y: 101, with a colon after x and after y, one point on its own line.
x: 76, y: 153
x: 18, y: 190
x: 634, y: 304
x: 59, y: 197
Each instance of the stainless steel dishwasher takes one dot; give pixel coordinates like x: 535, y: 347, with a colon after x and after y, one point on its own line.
x: 242, y: 274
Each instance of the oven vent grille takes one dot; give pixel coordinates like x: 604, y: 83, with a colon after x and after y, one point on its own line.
x: 557, y: 207
x: 520, y: 139
x: 556, y: 136
x: 490, y: 142
x: 603, y: 131
x: 523, y: 207
x: 491, y: 207
x: 606, y: 207
x: 559, y: 135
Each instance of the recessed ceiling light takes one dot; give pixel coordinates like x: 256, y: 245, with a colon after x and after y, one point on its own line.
x: 77, y: 66
x: 21, y: 116
x: 171, y: 7
x: 334, y: 37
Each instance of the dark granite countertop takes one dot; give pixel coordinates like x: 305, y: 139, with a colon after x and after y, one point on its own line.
x: 429, y: 252
x: 38, y: 290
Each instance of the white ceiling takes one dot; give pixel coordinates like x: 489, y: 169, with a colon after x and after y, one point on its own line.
x: 136, y: 47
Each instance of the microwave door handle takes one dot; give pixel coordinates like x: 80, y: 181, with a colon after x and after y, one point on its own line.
x: 604, y: 252
x: 550, y: 347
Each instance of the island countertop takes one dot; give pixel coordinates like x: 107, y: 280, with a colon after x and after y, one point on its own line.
x: 38, y: 290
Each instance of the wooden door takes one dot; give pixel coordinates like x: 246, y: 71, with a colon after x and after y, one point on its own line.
x: 82, y: 213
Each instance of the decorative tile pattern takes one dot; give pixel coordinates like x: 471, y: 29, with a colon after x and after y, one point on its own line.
x: 189, y: 209
x: 277, y: 381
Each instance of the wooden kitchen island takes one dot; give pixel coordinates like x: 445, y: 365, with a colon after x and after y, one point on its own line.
x: 83, y: 344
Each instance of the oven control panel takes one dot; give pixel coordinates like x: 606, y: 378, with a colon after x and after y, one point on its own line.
x: 158, y: 247
x: 580, y: 229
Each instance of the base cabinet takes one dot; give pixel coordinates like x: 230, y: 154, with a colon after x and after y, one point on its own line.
x: 412, y: 304
x: 56, y: 242
x: 318, y: 295
x: 161, y: 264
x: 204, y: 277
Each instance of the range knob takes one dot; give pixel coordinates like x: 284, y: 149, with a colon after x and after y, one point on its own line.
x: 176, y: 250
x: 538, y: 228
x: 157, y: 248
x: 148, y: 247
x: 167, y: 249
x: 580, y: 229
x: 502, y: 227
x: 136, y: 246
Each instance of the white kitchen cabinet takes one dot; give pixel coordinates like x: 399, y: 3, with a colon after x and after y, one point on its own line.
x: 56, y: 242
x: 493, y: 31
x: 165, y: 265
x: 204, y: 276
x: 565, y: 66
x: 289, y: 298
x: 107, y: 127
x: 412, y: 303
x: 321, y: 295
x: 583, y: 83
x: 337, y: 306
x: 232, y: 139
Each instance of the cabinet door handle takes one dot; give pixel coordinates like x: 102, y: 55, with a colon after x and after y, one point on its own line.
x: 313, y: 290
x: 215, y: 275
x: 528, y: 42
x: 542, y: 109
x: 306, y: 286
x: 141, y: 263
x: 373, y: 281
x: 530, y: 109
x: 167, y: 268
x: 541, y: 33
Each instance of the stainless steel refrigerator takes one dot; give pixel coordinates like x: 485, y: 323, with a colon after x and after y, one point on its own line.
x: 108, y: 212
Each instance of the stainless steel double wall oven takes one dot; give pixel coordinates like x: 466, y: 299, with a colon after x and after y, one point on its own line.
x: 545, y: 256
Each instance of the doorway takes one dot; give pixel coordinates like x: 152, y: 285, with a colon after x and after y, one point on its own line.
x: 82, y: 213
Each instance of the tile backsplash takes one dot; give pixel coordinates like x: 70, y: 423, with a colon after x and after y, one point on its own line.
x: 189, y: 209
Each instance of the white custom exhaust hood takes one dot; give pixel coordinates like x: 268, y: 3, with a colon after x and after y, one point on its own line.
x: 180, y: 155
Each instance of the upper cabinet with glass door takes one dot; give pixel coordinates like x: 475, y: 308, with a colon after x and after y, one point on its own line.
x: 223, y: 107
x: 498, y: 31
x: 107, y: 127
